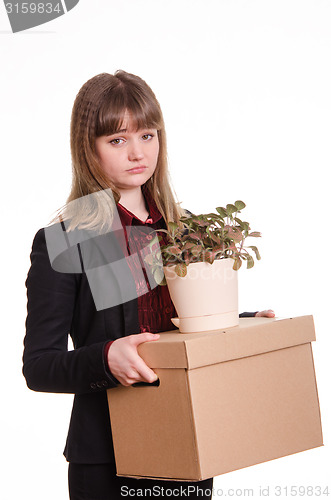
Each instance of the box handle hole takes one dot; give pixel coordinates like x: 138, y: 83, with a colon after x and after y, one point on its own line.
x: 156, y: 383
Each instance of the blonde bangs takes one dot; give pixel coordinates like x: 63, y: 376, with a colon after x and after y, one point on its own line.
x: 144, y: 114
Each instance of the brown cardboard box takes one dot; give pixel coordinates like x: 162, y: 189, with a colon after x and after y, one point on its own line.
x: 226, y: 400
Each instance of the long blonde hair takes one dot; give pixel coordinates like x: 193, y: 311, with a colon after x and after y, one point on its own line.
x: 99, y: 109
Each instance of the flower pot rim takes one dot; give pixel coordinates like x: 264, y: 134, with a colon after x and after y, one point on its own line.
x: 227, y: 259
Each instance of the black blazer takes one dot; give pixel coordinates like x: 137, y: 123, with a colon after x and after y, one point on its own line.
x: 60, y: 302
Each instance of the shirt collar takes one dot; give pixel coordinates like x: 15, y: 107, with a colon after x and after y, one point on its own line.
x: 128, y: 218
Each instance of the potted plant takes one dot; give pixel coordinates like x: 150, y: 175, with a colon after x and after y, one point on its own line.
x: 200, y: 262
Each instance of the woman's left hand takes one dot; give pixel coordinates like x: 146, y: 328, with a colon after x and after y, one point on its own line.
x: 268, y: 313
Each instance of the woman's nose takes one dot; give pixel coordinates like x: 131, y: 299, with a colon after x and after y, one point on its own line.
x: 135, y: 151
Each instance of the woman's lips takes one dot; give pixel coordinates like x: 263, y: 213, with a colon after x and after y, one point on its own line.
x: 137, y: 170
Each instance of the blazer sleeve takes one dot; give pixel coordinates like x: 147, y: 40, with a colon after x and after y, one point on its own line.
x: 247, y: 314
x: 48, y: 366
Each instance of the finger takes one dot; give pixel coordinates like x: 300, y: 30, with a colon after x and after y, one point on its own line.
x: 128, y: 377
x: 126, y: 381
x: 130, y: 380
x: 144, y: 371
x: 132, y: 377
x: 139, y: 338
x: 268, y: 313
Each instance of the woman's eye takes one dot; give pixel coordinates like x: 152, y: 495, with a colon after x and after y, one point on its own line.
x: 147, y: 136
x: 116, y: 141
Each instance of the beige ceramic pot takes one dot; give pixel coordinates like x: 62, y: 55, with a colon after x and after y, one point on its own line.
x: 206, y: 298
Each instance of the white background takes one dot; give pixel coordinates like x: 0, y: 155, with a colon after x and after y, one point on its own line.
x: 245, y: 91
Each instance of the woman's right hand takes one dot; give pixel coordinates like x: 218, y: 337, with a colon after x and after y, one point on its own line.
x: 125, y: 363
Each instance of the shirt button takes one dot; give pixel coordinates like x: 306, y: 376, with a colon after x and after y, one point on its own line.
x: 99, y: 385
x: 93, y: 385
x: 168, y: 309
x: 149, y: 237
x: 104, y: 383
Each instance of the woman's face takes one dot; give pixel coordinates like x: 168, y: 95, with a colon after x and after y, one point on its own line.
x: 128, y: 158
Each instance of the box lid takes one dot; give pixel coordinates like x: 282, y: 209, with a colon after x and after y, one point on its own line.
x: 251, y: 337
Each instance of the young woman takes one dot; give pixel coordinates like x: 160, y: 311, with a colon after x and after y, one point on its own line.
x: 120, y: 173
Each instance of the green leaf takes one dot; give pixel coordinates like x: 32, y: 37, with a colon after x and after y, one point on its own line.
x: 186, y: 258
x: 174, y: 250
x: 172, y: 226
x: 212, y: 216
x: 204, y: 223
x: 219, y: 222
x: 195, y: 236
x: 219, y: 249
x: 237, y: 264
x: 163, y: 282
x: 196, y: 249
x: 239, y: 204
x: 255, y: 250
x: 221, y: 211
x: 230, y: 209
x: 250, y: 262
x: 188, y: 245
x: 234, y: 234
x: 255, y: 234
x: 213, y: 236
x: 245, y: 226
x: 208, y: 257
x: 181, y: 270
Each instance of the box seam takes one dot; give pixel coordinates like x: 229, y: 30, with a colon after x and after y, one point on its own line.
x: 249, y: 356
x: 317, y: 397
x: 195, y: 437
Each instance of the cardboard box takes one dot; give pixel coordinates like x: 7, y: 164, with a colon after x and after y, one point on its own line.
x: 226, y: 400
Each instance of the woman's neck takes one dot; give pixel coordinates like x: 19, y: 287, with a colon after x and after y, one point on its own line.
x: 134, y: 201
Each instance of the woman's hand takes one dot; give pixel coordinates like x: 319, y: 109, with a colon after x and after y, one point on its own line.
x: 269, y: 313
x: 125, y: 363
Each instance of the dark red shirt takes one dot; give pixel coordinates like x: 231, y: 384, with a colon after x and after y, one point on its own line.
x: 155, y: 308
